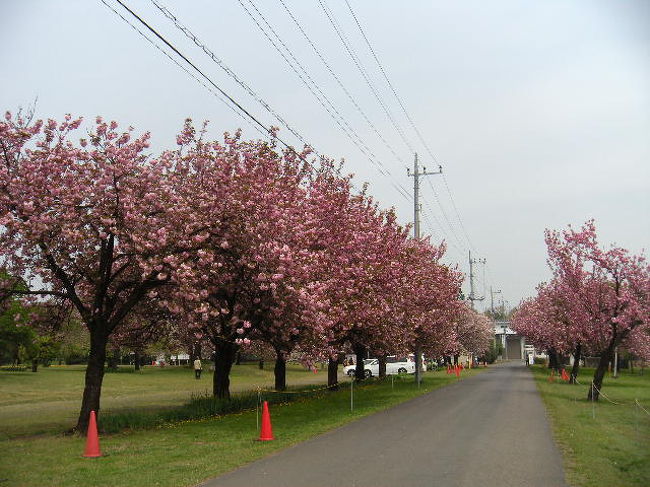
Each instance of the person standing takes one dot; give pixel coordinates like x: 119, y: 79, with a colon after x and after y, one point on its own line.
x: 197, y: 368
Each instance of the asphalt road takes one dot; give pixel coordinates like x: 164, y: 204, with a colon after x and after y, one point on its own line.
x: 488, y: 430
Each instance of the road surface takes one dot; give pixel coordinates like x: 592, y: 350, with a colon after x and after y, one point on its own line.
x: 488, y: 430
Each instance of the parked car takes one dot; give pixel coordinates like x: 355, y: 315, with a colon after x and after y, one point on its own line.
x: 394, y: 366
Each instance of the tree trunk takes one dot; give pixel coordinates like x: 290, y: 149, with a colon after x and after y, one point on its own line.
x: 553, y: 362
x: 260, y: 364
x: 136, y: 358
x: 603, y: 363
x: 576, y: 364
x: 223, y: 360
x: 333, y: 374
x: 94, y: 378
x: 360, y: 352
x: 418, y: 364
x: 382, y: 367
x: 280, y: 371
x: 238, y: 358
x: 35, y: 365
x: 113, y: 359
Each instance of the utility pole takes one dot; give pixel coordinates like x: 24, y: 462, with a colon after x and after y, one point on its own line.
x: 472, y: 294
x: 416, y: 192
x: 416, y: 234
x: 492, y: 293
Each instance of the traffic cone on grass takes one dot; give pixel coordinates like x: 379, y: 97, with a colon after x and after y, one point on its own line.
x: 266, y: 433
x: 551, y: 378
x: 92, y: 438
x: 457, y: 371
x: 565, y: 376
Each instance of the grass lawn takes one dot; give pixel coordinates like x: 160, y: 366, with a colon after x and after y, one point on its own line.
x: 604, y: 444
x: 187, y: 453
x: 49, y: 400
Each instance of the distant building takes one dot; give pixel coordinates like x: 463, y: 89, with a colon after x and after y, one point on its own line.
x: 513, y: 344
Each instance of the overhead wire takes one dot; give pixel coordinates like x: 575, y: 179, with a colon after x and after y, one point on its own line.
x: 190, y: 35
x: 169, y: 15
x: 188, y: 72
x: 338, y: 81
x: 297, y: 67
x: 427, y: 148
x: 444, y: 213
x: 357, y: 62
x: 408, y: 116
x: 209, y: 80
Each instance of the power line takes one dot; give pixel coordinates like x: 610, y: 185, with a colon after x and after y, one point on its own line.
x: 223, y: 66
x: 453, y: 203
x: 189, y: 73
x: 339, y: 82
x: 444, y: 213
x: 203, y: 75
x: 357, y: 62
x: 188, y: 33
x: 383, y: 72
x: 408, y: 116
x: 308, y: 81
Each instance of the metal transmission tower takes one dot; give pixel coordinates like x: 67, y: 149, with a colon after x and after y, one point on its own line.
x: 472, y: 294
x: 416, y: 234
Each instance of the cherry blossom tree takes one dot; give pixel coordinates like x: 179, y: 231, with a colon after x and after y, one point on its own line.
x: 431, y: 301
x: 473, y: 331
x: 598, y: 300
x: 608, y: 289
x: 251, y: 279
x: 90, y: 222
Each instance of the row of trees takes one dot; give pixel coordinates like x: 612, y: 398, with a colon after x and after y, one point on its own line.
x: 597, y: 300
x: 227, y: 243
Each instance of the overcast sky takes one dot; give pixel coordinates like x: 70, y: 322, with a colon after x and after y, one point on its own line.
x: 538, y: 111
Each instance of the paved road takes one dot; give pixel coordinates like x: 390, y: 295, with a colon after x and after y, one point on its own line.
x: 489, y: 430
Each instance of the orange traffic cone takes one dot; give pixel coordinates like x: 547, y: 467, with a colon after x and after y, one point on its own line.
x: 565, y: 376
x: 457, y: 371
x: 266, y: 434
x: 551, y: 378
x: 92, y: 439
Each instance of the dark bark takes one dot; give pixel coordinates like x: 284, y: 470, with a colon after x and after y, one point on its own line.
x: 577, y: 355
x: 360, y: 352
x: 35, y: 365
x: 382, y: 367
x: 553, y: 360
x: 94, y: 378
x: 599, y: 375
x: 136, y: 358
x: 224, y: 357
x: 238, y: 358
x: 260, y: 364
x: 418, y: 364
x: 114, y: 359
x: 333, y: 374
x: 280, y: 371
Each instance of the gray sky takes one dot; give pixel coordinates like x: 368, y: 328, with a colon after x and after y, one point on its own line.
x: 538, y: 111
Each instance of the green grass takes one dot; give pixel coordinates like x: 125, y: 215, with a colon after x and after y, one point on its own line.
x: 48, y: 401
x: 604, y: 444
x: 186, y: 453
